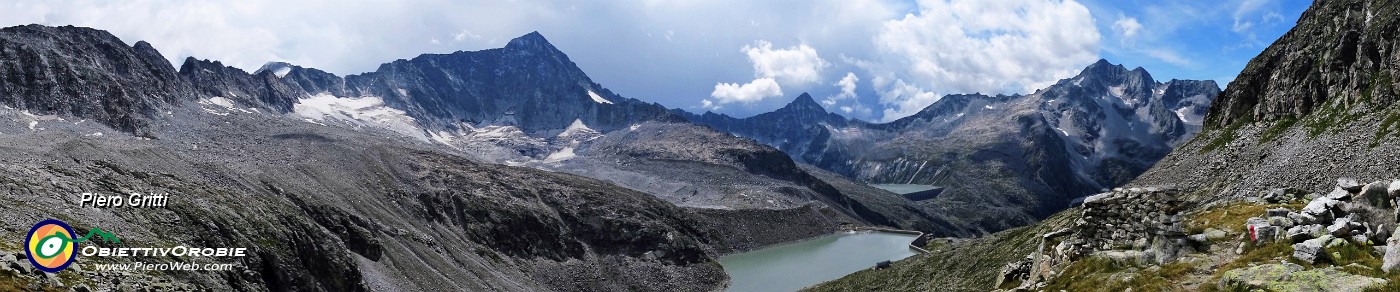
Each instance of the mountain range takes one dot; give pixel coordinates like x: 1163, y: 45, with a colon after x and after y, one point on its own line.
x: 1002, y: 161
x: 426, y: 173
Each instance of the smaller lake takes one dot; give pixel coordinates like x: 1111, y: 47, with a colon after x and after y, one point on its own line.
x: 911, y: 191
x: 904, y: 188
x: 798, y: 265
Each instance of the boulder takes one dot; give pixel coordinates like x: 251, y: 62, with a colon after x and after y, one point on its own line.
x: 1340, y: 228
x: 1380, y: 234
x: 1281, y: 222
x: 1339, y: 194
x: 1320, y: 210
x: 1302, y: 219
x: 1265, y: 234
x: 1311, y: 251
x: 1259, y: 230
x: 1392, y: 254
x: 1374, y: 190
x: 1279, y: 212
x: 1215, y: 234
x: 1304, y: 232
x: 1349, y: 184
x: 1394, y: 189
x: 1361, y: 239
x: 1198, y: 238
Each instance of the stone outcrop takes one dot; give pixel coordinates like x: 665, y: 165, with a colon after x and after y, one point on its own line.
x: 1136, y: 224
x: 1142, y: 219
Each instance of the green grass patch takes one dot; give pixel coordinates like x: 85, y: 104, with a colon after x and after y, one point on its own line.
x: 1281, y: 126
x: 1362, y: 254
x: 1388, y: 127
x: 1103, y: 274
x: 1333, y: 115
x: 1232, y: 216
x: 1224, y: 136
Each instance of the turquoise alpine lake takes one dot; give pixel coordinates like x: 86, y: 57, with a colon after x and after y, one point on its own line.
x: 793, y: 266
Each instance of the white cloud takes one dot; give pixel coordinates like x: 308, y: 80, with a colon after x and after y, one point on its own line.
x: 848, y: 89
x: 965, y: 46
x: 1242, y: 23
x: 906, y: 99
x: 1168, y: 56
x: 757, y: 90
x: 795, y: 65
x: 1126, y: 26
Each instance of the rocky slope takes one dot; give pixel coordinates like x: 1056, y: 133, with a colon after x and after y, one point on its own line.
x: 326, y: 208
x: 1003, y: 161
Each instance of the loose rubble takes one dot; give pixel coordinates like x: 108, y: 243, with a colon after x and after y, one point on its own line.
x: 1146, y: 226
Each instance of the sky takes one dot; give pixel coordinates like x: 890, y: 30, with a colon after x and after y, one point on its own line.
x: 875, y: 60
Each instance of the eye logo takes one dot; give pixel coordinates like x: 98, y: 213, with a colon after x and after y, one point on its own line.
x: 50, y: 245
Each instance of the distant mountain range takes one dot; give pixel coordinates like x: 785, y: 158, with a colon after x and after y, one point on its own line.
x: 1004, y: 161
x: 382, y: 161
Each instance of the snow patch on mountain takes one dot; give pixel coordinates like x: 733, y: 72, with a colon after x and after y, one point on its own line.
x: 598, y: 99
x: 366, y: 111
x: 282, y: 72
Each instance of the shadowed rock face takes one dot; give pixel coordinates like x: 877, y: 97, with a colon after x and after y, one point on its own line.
x: 1005, y: 160
x: 1340, y: 52
x: 85, y: 73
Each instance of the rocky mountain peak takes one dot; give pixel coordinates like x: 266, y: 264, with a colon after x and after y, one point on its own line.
x: 804, y: 104
x: 534, y: 44
x: 277, y: 68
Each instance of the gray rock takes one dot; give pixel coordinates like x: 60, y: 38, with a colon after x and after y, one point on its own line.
x: 1340, y: 228
x: 1349, y: 184
x: 1392, y: 254
x: 1394, y: 189
x: 1281, y: 222
x: 1311, y: 250
x: 1265, y: 234
x: 1304, y: 232
x: 1361, y: 239
x: 1215, y: 234
x: 1339, y: 194
x: 1199, y: 238
x: 1279, y: 212
x: 1320, y: 209
x: 1301, y: 218
x: 1374, y: 190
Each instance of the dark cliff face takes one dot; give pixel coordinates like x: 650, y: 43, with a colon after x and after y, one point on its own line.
x: 262, y: 90
x: 85, y: 73
x: 1339, y: 53
x: 1316, y: 105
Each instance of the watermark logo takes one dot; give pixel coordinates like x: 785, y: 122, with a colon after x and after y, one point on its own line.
x: 51, y: 244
